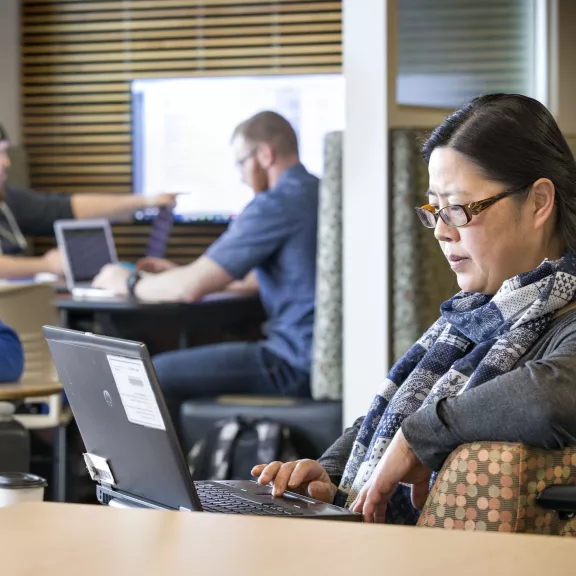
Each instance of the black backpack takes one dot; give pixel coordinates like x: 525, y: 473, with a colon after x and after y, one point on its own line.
x: 235, y: 445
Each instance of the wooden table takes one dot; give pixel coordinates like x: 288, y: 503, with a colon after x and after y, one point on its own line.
x: 29, y: 389
x: 67, y: 540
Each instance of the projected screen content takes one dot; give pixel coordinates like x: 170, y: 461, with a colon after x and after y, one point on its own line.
x: 182, y: 129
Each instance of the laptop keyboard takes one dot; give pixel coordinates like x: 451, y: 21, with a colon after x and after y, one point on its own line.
x: 219, y: 499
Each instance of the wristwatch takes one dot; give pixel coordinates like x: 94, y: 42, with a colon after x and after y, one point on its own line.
x: 132, y: 281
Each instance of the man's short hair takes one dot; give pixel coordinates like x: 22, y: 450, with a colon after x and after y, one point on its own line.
x: 269, y: 128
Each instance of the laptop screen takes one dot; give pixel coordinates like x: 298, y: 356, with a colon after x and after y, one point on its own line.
x: 88, y: 252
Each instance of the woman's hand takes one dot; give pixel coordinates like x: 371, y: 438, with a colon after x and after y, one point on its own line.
x: 399, y: 464
x: 154, y: 265
x: 303, y: 476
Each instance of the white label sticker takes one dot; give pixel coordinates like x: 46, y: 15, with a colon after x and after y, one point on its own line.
x: 99, y: 469
x: 136, y: 392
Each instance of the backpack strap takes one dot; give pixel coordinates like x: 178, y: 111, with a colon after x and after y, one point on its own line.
x: 220, y: 465
x: 270, y: 435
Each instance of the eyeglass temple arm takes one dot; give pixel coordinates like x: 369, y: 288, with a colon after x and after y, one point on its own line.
x: 477, y: 207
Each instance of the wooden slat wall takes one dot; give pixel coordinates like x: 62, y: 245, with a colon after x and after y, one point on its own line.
x: 79, y: 57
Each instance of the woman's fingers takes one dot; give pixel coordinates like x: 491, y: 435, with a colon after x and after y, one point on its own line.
x: 306, y: 471
x: 257, y: 470
x: 282, y: 478
x: 296, y: 476
x: 358, y: 504
x: 268, y: 472
x: 420, y: 493
x: 278, y: 473
x: 375, y: 506
x: 372, y: 502
x: 322, y: 491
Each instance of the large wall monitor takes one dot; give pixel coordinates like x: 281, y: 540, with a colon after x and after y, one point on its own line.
x: 182, y: 129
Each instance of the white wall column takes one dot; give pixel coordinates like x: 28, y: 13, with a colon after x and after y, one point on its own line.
x: 365, y: 204
x: 10, y: 107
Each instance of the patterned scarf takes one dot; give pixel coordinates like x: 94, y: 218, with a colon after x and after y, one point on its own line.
x: 477, y: 338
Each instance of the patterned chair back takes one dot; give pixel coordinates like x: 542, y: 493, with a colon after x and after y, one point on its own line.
x: 492, y: 487
x: 421, y: 278
x: 26, y: 308
x: 327, y: 353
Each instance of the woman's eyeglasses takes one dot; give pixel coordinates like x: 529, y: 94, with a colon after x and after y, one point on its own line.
x: 457, y: 215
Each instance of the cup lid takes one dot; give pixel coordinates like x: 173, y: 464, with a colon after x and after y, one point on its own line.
x: 19, y: 480
x: 6, y: 410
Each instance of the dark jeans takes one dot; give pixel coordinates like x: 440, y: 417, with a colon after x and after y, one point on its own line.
x: 229, y: 368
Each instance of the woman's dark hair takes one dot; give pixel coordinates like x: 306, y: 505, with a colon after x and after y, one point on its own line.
x: 514, y: 140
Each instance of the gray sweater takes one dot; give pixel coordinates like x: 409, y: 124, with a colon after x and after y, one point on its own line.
x: 534, y: 404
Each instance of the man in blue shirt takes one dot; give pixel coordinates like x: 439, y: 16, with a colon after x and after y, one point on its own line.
x: 270, y: 247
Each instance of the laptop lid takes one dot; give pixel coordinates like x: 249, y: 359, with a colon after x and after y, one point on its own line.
x: 86, y: 246
x: 160, y: 233
x: 120, y: 411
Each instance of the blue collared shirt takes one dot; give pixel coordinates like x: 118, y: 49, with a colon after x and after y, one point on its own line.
x: 275, y: 235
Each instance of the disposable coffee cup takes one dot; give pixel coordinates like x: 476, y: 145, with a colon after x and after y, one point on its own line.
x: 18, y: 487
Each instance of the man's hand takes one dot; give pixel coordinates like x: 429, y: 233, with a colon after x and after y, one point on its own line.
x: 113, y: 277
x: 303, y: 476
x: 399, y: 464
x: 155, y: 265
x: 164, y: 199
x: 54, y: 262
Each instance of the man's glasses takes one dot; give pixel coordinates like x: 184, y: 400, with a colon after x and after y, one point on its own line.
x: 457, y: 215
x: 241, y: 161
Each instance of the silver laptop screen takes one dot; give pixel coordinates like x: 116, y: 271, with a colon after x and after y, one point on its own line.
x: 88, y: 252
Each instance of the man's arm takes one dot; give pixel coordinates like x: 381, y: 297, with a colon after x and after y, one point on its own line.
x: 179, y: 284
x: 11, y: 267
x: 248, y: 285
x: 85, y: 206
x: 250, y: 240
x: 36, y: 212
x: 185, y: 283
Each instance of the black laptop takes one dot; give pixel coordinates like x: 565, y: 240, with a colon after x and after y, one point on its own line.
x: 132, y: 451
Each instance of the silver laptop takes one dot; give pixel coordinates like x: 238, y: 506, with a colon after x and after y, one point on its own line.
x: 86, y: 246
x: 132, y: 451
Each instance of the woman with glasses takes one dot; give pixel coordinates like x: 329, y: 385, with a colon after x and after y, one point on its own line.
x: 500, y: 362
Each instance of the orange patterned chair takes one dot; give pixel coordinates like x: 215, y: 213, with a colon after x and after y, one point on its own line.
x: 488, y: 486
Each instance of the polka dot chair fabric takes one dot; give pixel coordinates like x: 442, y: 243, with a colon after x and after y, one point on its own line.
x: 493, y: 487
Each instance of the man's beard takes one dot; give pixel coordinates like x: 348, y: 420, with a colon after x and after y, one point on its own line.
x: 259, y: 179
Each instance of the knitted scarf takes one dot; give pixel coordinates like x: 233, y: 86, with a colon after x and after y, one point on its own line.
x: 477, y: 338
